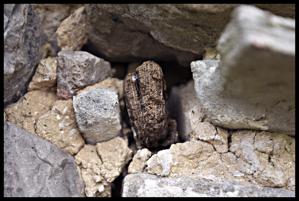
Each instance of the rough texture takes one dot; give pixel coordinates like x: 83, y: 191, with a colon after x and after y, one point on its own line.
x: 51, y: 15
x: 139, y: 159
x: 97, y: 114
x: 21, y: 52
x: 29, y: 108
x: 145, y: 101
x: 78, y: 69
x: 34, y: 167
x: 45, y: 75
x: 145, y: 185
x: 101, y: 164
x: 59, y: 127
x: 161, y: 31
x: 72, y: 32
x: 261, y: 158
x: 239, y: 93
x: 111, y: 83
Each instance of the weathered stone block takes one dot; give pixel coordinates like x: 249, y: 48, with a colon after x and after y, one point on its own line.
x: 253, y: 86
x: 34, y: 167
x: 97, y: 114
x: 146, y: 185
x: 78, y: 69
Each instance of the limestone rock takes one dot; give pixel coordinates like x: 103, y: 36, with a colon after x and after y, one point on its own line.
x: 72, y: 32
x: 34, y: 167
x: 163, y: 31
x: 114, y: 154
x: 185, y: 107
x: 145, y: 185
x: 238, y: 93
x: 45, y: 75
x: 261, y: 158
x: 59, y: 127
x: 78, y: 69
x: 29, y: 108
x: 112, y: 83
x: 101, y: 164
x: 21, y: 52
x: 139, y: 160
x: 97, y: 114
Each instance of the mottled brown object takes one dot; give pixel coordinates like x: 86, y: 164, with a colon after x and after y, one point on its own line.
x: 144, y: 95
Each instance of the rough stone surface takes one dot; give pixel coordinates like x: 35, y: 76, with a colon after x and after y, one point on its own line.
x: 72, y: 32
x: 21, y: 52
x: 146, y: 105
x: 51, y: 15
x: 112, y: 83
x: 78, y: 69
x: 45, y: 75
x: 29, y: 108
x: 59, y: 127
x: 139, y: 159
x: 162, y: 31
x: 239, y: 93
x: 145, y: 185
x: 34, y: 167
x: 97, y: 114
x: 262, y: 158
x: 101, y: 164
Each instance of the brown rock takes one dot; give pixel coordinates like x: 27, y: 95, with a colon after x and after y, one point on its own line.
x: 29, y: 108
x: 72, y: 32
x: 59, y: 127
x: 45, y: 75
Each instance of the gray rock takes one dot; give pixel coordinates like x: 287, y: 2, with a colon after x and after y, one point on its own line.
x: 97, y: 114
x: 132, y: 32
x: 78, y: 69
x: 34, y: 167
x: 253, y: 87
x: 21, y: 52
x: 146, y: 185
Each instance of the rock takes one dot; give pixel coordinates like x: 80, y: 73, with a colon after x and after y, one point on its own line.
x: 34, y: 167
x: 165, y: 32
x: 145, y: 185
x: 210, y: 54
x: 21, y: 52
x: 238, y: 93
x: 72, y: 32
x: 45, y: 75
x: 59, y: 127
x: 114, y: 154
x: 101, y: 164
x: 78, y: 69
x: 97, y: 114
x: 185, y: 107
x: 29, y: 108
x: 109, y: 83
x: 51, y: 16
x: 260, y: 158
x: 139, y: 159
x: 285, y: 10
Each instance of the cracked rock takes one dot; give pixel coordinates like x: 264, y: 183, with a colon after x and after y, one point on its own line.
x: 261, y: 158
x: 78, y: 69
x: 101, y: 164
x: 22, y: 44
x: 33, y: 167
x: 29, y: 108
x: 237, y: 93
x: 146, y: 185
x: 59, y: 127
x: 45, y: 75
x: 139, y: 160
x: 72, y: 32
x: 97, y: 114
